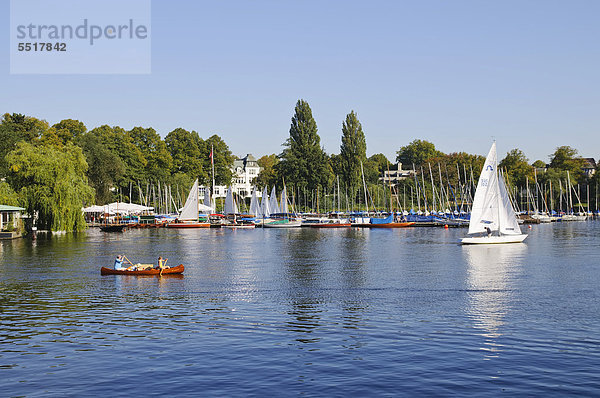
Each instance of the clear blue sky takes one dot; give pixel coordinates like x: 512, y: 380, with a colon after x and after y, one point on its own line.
x: 456, y: 73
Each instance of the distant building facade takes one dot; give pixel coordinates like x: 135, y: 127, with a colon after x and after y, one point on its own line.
x: 396, y: 174
x: 589, y: 166
x: 245, y: 170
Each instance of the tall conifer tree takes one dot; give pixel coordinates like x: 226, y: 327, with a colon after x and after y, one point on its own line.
x: 304, y: 162
x: 353, y: 151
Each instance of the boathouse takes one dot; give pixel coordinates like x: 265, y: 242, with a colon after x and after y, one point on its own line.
x: 10, y: 221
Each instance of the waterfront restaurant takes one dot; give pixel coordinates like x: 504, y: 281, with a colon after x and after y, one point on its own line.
x: 9, y: 221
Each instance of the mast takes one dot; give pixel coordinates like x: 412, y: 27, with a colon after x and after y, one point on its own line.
x: 499, y: 198
x: 364, y: 186
x: 212, y: 163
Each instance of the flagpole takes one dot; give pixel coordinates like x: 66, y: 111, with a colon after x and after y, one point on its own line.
x: 212, y: 162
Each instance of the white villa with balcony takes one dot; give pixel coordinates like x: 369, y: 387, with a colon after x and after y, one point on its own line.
x: 245, y: 170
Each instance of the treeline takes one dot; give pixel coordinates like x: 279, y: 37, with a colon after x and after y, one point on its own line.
x: 53, y: 171
x: 315, y: 177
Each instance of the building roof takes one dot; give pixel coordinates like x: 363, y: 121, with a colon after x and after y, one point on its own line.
x: 589, y: 163
x: 10, y: 208
x: 247, y: 161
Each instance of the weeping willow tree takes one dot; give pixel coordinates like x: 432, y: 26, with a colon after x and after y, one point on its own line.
x: 51, y: 183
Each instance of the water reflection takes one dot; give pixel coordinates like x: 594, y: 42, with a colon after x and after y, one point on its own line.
x: 491, y: 272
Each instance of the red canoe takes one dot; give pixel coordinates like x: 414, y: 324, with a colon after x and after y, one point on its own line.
x: 173, y: 270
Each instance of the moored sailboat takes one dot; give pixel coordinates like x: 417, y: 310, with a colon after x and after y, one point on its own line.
x: 189, y: 215
x: 493, y: 218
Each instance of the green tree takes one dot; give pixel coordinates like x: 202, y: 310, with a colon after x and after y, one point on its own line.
x: 69, y: 130
x: 52, y: 184
x: 375, y: 166
x: 353, y: 152
x: 158, y: 159
x: 418, y: 152
x: 15, y: 128
x: 184, y: 147
x: 517, y: 167
x: 105, y: 167
x: 267, y: 176
x: 565, y: 158
x: 539, y: 164
x: 7, y: 195
x: 223, y: 159
x: 303, y: 162
x: 120, y: 143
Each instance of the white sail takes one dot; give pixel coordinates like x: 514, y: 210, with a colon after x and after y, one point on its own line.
x: 508, y: 219
x: 284, y: 205
x: 230, y: 205
x: 207, y: 201
x: 254, y: 206
x: 484, y: 213
x: 492, y: 208
x: 264, y: 204
x: 190, y: 209
x: 273, y: 205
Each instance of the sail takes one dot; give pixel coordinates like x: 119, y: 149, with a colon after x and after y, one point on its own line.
x: 508, y: 219
x: 484, y: 213
x: 273, y: 205
x: 190, y: 209
x: 230, y: 206
x: 254, y: 206
x: 207, y: 197
x: 284, y: 206
x: 264, y: 204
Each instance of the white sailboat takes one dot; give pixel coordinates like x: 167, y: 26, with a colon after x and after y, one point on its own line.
x: 189, y: 214
x: 493, y: 218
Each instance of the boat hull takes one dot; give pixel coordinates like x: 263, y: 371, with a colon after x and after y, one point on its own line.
x: 276, y: 224
x: 490, y: 240
x: 167, y: 271
x: 188, y: 225
x: 328, y: 225
x: 387, y: 225
x: 239, y: 226
x: 113, y: 227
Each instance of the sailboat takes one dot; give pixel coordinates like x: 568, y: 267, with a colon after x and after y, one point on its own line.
x: 188, y: 216
x: 493, y: 218
x: 282, y: 218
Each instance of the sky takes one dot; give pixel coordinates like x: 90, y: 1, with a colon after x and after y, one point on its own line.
x: 456, y: 73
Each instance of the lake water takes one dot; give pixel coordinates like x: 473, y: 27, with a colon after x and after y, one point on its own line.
x: 351, y: 312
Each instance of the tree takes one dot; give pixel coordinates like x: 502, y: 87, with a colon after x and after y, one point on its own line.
x: 223, y: 159
x: 417, y: 152
x: 184, y: 147
x: 51, y: 183
x: 353, y: 152
x: 303, y: 162
x: 120, y: 143
x: 517, y: 168
x: 539, y: 164
x: 105, y: 167
x: 565, y: 158
x: 158, y: 158
x: 267, y: 176
x: 69, y: 130
x: 15, y: 128
x: 7, y: 195
x: 375, y: 166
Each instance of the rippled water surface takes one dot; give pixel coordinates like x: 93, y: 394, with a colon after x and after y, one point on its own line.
x: 303, y: 312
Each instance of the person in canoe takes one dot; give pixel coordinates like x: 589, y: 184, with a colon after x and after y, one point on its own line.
x: 119, y: 263
x: 162, y: 264
x: 133, y: 267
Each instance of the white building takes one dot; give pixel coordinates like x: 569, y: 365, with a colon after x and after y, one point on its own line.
x: 245, y: 170
x: 395, y: 174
